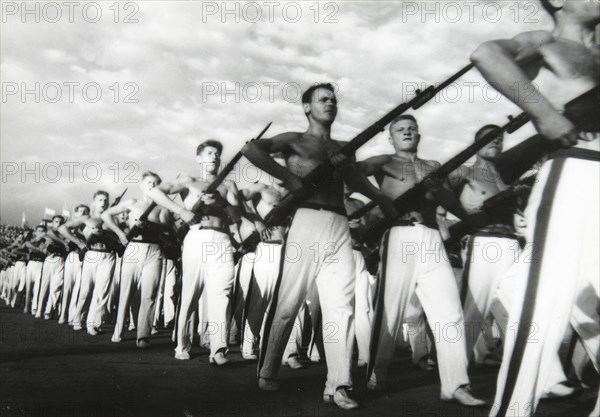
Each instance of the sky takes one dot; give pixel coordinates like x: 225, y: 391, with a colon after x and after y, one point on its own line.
x: 95, y: 93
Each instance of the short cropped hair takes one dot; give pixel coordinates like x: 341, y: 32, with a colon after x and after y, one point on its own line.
x: 58, y: 216
x: 402, y: 117
x: 308, y: 94
x: 100, y: 192
x: 209, y: 143
x: 152, y: 174
x: 41, y: 226
x: 549, y: 7
x: 485, y: 130
x: 87, y: 209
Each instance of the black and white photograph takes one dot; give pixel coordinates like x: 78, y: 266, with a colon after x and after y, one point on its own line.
x: 302, y: 208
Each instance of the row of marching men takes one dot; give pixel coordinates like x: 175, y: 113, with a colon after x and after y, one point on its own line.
x: 126, y: 263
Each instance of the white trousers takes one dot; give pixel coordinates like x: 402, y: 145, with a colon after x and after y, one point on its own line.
x: 94, y: 291
x: 414, y: 261
x: 33, y: 275
x: 207, y: 263
x: 72, y: 281
x: 558, y: 283
x: 317, y: 252
x: 140, y: 276
x: 266, y: 261
x: 18, y: 277
x: 165, y: 300
x: 51, y: 285
x: 363, y: 308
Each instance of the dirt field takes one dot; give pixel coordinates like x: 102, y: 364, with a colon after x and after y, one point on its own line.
x: 48, y: 370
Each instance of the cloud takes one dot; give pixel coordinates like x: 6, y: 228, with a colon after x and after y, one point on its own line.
x: 154, y: 77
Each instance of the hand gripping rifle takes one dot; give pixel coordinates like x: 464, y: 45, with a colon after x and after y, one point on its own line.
x: 314, y: 178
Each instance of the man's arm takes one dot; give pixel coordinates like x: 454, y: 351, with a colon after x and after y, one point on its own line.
x: 51, y: 235
x: 373, y: 165
x: 248, y: 194
x: 159, y: 197
x: 259, y: 153
x: 357, y: 181
x: 253, y: 190
x: 109, y: 220
x: 72, y: 224
x: 503, y: 64
x: 439, y: 191
x: 176, y: 186
x: 458, y: 178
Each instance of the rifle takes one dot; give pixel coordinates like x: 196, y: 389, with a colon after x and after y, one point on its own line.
x: 199, y: 207
x: 491, y: 205
x: 118, y: 199
x: 315, y: 177
x: 406, y: 201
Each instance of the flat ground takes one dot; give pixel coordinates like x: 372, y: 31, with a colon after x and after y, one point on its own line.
x: 49, y: 370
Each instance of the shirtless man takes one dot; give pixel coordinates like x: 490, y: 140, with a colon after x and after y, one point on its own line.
x: 488, y: 284
x: 72, y: 277
x: 560, y: 282
x: 414, y: 262
x: 207, y: 258
x: 98, y: 264
x: 318, y: 250
x: 483, y: 291
x: 142, y: 260
x: 53, y: 270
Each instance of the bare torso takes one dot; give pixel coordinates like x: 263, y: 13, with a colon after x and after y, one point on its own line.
x: 307, y: 152
x: 481, y: 183
x: 196, y: 188
x: 402, y: 174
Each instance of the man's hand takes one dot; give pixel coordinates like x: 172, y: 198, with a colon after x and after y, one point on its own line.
x: 589, y: 136
x: 263, y: 231
x: 140, y: 224
x: 186, y: 215
x: 558, y: 129
x: 208, y: 198
x: 388, y: 208
x: 81, y: 244
x: 123, y: 236
x: 354, y: 223
x: 340, y: 160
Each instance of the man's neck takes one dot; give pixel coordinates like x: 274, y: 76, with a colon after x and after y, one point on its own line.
x: 206, y: 176
x: 411, y: 156
x: 319, y: 130
x: 482, y: 162
x: 567, y: 28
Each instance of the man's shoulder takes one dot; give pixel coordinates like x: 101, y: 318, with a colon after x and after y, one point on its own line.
x: 379, y: 159
x: 430, y: 163
x: 535, y: 38
x: 289, y: 136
